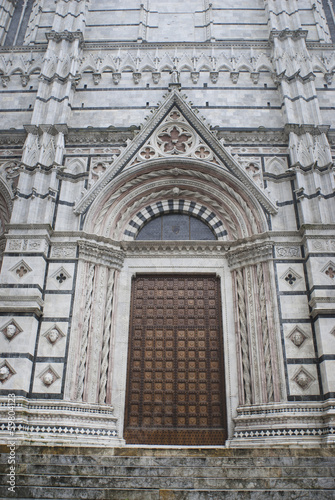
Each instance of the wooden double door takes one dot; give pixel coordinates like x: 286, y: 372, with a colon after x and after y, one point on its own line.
x: 175, y: 381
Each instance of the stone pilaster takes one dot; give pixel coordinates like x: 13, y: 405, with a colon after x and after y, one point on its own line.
x: 311, y: 161
x: 6, y: 13
x: 260, y: 373
x: 93, y: 325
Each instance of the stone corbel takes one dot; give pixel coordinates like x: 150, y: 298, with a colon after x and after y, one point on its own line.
x: 254, y: 75
x: 96, y: 78
x: 234, y: 75
x: 116, y: 77
x: 214, y: 76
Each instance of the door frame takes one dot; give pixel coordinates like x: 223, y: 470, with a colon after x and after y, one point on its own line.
x: 150, y: 264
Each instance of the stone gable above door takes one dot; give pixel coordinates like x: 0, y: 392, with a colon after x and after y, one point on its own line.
x: 175, y: 132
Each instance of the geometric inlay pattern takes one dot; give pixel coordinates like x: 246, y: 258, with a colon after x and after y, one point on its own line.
x: 21, y: 269
x: 175, y: 206
x: 329, y: 271
x: 291, y: 278
x: 175, y: 386
x: 60, y: 276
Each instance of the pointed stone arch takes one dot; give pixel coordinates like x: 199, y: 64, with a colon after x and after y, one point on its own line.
x: 157, y: 181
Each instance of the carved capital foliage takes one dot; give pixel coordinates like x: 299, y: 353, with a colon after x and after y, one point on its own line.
x: 101, y: 254
x: 245, y: 255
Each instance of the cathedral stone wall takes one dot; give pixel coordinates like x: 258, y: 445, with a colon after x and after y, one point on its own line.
x: 113, y: 115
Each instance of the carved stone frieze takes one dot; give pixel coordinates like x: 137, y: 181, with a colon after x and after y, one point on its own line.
x: 288, y: 251
x: 249, y: 254
x: 322, y: 244
x: 64, y: 250
x: 99, y: 136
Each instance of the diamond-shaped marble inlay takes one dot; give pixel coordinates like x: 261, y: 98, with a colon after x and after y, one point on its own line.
x: 21, y: 269
x: 291, y: 277
x: 11, y: 329
x: 303, y: 378
x: 49, y: 376
x: 329, y: 271
x: 297, y: 336
x: 61, y: 276
x: 6, y: 371
x: 53, y: 335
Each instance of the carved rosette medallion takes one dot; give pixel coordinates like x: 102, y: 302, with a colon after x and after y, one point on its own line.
x: 175, y: 139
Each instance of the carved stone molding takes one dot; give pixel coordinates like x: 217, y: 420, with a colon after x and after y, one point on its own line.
x: 176, y: 248
x: 322, y: 305
x: 101, y: 255
x: 21, y: 304
x: 245, y: 255
x: 284, y: 423
x: 66, y: 421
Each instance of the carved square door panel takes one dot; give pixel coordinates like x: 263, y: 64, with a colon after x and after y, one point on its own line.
x: 175, y: 381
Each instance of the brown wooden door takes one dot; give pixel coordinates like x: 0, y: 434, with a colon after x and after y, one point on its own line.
x: 175, y: 383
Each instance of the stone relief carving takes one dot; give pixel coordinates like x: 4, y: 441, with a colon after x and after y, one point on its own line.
x: 11, y: 329
x: 288, y: 251
x: 297, y: 336
x: 53, y: 335
x: 323, y: 245
x: 49, y: 376
x: 6, y: 371
x: 64, y: 251
x: 303, y: 378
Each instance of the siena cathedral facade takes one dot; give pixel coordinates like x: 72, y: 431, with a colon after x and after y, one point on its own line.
x: 167, y: 217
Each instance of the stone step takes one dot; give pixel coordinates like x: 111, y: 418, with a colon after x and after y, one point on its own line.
x: 182, y: 452
x: 158, y: 471
x: 100, y: 482
x: 28, y: 493
x: 143, y: 461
